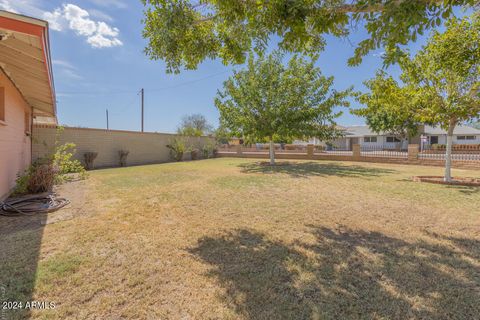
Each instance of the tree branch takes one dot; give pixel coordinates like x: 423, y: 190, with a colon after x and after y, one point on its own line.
x: 345, y: 8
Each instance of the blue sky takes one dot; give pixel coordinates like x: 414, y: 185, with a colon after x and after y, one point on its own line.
x: 98, y: 60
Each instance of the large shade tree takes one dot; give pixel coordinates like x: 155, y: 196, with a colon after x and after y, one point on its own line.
x: 388, y: 107
x: 194, y: 125
x: 270, y: 101
x: 185, y: 32
x: 441, y: 82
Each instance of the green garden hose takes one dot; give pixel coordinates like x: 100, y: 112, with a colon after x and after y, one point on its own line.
x: 32, y: 204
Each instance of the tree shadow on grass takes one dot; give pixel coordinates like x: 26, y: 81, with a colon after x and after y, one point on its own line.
x: 307, y: 169
x: 344, y: 274
x: 20, y: 239
x: 468, y: 190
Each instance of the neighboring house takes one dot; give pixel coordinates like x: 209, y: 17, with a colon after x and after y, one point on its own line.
x: 461, y: 135
x: 363, y: 135
x: 26, y: 91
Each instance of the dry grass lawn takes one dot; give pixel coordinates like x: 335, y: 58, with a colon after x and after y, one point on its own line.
x: 232, y: 239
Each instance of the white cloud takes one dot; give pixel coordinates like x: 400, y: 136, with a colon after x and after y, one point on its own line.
x: 63, y: 63
x: 119, y: 4
x: 105, y: 29
x: 67, y: 69
x: 54, y: 19
x: 78, y: 20
x: 71, y: 74
x: 100, y: 15
x: 7, y: 6
x: 98, y: 33
x: 28, y: 7
x: 99, y: 41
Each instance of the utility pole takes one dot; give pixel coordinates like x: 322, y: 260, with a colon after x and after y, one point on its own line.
x: 108, y: 127
x: 142, y: 93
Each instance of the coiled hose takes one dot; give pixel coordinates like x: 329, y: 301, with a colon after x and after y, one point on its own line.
x: 32, y: 204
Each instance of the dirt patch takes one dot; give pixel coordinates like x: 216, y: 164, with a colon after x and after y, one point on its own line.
x: 76, y: 192
x: 469, y: 182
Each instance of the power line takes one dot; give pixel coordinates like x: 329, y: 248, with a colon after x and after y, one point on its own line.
x: 188, y: 82
x: 129, y: 104
x: 94, y: 92
x: 148, y: 89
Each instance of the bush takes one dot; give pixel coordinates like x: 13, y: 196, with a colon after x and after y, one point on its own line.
x: 63, y: 159
x: 208, y: 150
x: 123, y: 154
x: 178, y: 146
x: 194, y: 154
x: 89, y: 158
x: 53, y: 169
x: 39, y: 177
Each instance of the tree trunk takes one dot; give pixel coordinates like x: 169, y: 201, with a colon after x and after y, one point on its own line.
x: 272, y: 153
x: 448, y: 154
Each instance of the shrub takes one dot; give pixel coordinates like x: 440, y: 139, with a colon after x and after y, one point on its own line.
x: 208, y: 149
x: 39, y: 177
x: 63, y: 159
x: 194, y: 154
x: 123, y: 154
x: 178, y: 146
x: 89, y: 158
x: 53, y: 169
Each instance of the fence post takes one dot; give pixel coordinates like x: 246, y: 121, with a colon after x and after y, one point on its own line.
x: 413, y: 151
x: 310, y: 151
x: 356, y: 151
x: 239, y: 149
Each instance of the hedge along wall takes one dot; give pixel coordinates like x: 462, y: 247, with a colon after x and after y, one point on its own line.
x: 145, y: 148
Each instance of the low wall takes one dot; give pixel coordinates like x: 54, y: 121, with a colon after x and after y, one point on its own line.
x: 145, y: 148
x: 412, y: 158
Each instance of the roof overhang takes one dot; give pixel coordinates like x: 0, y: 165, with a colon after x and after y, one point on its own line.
x: 25, y: 59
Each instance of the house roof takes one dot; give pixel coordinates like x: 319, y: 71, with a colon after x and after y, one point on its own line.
x: 25, y: 59
x: 458, y: 130
x: 362, y: 131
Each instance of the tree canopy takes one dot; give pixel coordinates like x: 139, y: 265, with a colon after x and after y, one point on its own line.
x: 194, y: 125
x: 389, y: 106
x: 445, y: 74
x: 270, y: 101
x: 184, y: 32
x: 441, y: 84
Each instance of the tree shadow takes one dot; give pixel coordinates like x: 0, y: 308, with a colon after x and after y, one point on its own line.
x: 344, y: 274
x: 307, y: 169
x: 468, y: 190
x: 20, y: 239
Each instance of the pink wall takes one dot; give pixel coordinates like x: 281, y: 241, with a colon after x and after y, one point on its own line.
x: 14, y: 143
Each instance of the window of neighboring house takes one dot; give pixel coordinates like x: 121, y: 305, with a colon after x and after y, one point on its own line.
x: 27, y: 123
x: 2, y: 104
x: 392, y: 139
x: 465, y: 137
x: 370, y: 139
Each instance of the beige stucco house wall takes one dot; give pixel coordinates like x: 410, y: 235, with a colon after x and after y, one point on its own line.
x: 26, y: 91
x: 15, y: 128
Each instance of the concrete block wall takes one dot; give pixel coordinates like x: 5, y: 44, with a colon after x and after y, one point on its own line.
x: 144, y: 148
